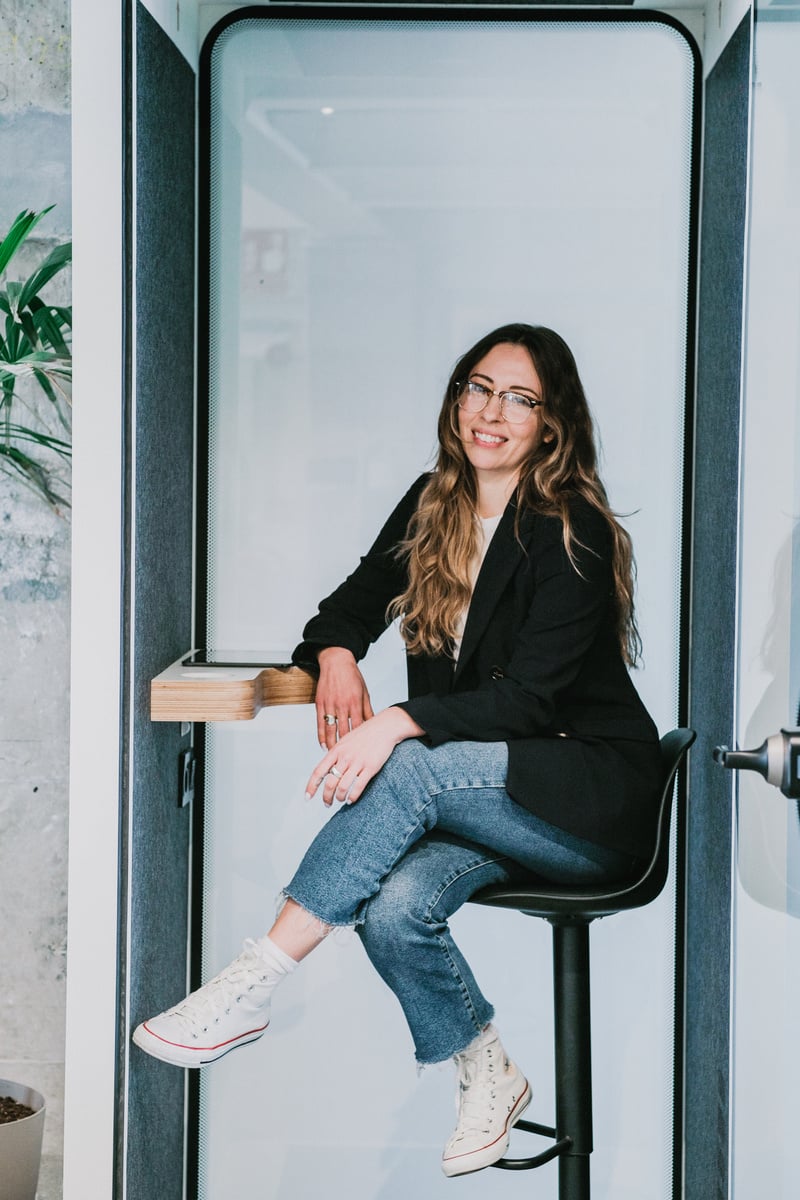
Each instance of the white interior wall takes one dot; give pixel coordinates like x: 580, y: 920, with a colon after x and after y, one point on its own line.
x: 94, y: 832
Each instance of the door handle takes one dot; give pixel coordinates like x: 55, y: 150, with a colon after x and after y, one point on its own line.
x: 777, y: 759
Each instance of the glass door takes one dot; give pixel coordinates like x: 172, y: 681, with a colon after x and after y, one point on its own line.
x: 766, y: 1050
x: 382, y: 190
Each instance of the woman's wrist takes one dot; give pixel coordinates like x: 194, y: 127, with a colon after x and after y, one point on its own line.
x: 330, y: 653
x: 401, y: 725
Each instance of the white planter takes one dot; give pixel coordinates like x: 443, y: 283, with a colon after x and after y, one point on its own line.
x: 21, y: 1145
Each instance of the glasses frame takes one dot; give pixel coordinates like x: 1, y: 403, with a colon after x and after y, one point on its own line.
x: 461, y: 387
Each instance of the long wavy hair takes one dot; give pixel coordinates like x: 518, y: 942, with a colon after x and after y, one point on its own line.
x: 443, y: 534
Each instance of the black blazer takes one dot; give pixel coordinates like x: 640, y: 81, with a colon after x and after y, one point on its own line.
x: 539, y: 658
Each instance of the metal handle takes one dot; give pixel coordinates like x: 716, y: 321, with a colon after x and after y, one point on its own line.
x: 777, y: 759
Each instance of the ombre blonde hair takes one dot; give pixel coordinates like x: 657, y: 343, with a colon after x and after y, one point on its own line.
x: 443, y: 533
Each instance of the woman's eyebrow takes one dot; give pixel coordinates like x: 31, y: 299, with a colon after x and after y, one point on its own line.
x: 515, y: 387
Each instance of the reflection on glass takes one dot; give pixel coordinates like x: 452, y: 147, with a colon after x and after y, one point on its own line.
x: 382, y: 193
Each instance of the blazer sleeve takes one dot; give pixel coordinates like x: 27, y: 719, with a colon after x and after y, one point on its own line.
x: 571, y: 610
x: 354, y: 615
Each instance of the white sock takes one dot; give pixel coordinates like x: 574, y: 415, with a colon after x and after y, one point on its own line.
x: 487, y: 1035
x: 278, y: 960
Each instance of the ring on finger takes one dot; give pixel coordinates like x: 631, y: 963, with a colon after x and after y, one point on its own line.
x: 329, y: 719
x: 336, y: 774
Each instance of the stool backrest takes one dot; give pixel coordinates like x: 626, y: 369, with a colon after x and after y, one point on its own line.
x: 674, y: 746
x: 585, y: 902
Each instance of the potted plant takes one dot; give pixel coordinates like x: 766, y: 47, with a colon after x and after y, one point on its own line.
x: 35, y: 370
x: 22, y: 1113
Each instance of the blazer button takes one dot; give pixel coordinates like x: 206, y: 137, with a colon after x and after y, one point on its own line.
x: 498, y: 673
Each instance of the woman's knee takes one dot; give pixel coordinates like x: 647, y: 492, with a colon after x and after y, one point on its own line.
x: 403, y: 765
x: 393, y: 911
x: 437, y: 769
x: 436, y: 876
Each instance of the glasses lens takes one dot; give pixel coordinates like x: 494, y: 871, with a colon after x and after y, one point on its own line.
x: 516, y: 408
x: 472, y: 397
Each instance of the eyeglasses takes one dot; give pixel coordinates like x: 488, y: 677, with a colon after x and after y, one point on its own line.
x: 473, y: 397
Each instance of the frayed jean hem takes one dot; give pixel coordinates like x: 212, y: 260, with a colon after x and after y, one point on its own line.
x: 320, y: 924
x: 424, y: 1063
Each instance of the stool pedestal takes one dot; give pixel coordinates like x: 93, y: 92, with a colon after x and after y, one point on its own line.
x: 573, y: 1066
x: 573, y: 1055
x: 570, y: 909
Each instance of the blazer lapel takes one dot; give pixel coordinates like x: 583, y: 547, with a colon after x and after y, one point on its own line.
x: 502, y: 559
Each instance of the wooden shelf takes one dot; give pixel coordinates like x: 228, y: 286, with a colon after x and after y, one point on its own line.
x: 226, y: 693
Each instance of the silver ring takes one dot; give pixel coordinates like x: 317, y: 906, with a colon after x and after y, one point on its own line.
x: 329, y: 719
x: 336, y: 774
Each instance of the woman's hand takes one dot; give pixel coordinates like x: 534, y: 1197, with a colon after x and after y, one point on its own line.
x: 341, y: 693
x: 358, y: 755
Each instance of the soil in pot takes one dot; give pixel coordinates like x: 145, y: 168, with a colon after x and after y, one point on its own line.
x: 12, y: 1110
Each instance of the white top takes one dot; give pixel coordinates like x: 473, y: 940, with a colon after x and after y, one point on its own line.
x: 488, y: 525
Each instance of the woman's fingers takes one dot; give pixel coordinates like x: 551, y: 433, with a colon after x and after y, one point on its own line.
x: 337, y: 785
x: 334, y: 720
x: 345, y: 786
x: 326, y: 726
x: 347, y: 768
x: 337, y: 781
x: 337, y: 714
x: 355, y: 789
x: 342, y: 699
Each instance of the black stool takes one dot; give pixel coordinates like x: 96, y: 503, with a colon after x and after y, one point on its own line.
x: 570, y: 910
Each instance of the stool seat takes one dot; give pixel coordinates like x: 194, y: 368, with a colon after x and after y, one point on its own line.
x: 570, y: 909
x: 540, y: 898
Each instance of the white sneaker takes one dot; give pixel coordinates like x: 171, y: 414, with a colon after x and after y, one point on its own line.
x: 492, y: 1096
x: 230, y: 1010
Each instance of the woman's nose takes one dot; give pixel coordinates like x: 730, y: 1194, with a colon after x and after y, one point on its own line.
x: 494, y: 408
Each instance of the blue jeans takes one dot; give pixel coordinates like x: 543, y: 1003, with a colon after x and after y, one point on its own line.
x: 433, y: 827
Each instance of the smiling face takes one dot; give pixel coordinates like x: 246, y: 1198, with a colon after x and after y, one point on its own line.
x: 498, y: 448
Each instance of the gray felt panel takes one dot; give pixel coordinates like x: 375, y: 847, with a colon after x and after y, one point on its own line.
x: 162, y: 582
x: 713, y: 620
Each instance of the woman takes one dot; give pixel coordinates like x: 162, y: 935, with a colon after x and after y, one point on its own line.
x: 523, y: 746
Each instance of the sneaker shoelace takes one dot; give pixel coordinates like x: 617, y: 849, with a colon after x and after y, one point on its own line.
x: 205, y: 1006
x: 476, y: 1103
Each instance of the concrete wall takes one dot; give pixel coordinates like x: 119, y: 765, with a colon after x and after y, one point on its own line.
x: 34, y: 611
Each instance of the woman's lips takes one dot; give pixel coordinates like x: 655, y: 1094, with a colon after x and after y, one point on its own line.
x: 487, y: 439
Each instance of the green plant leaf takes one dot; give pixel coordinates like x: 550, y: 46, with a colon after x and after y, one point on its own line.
x: 48, y: 389
x: 36, y: 347
x: 29, y: 329
x: 21, y: 227
x: 56, y: 260
x: 23, y: 364
x: 23, y: 468
x: 25, y: 434
x: 59, y: 396
x: 13, y: 291
x: 63, y: 313
x: 47, y: 325
x: 12, y: 339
